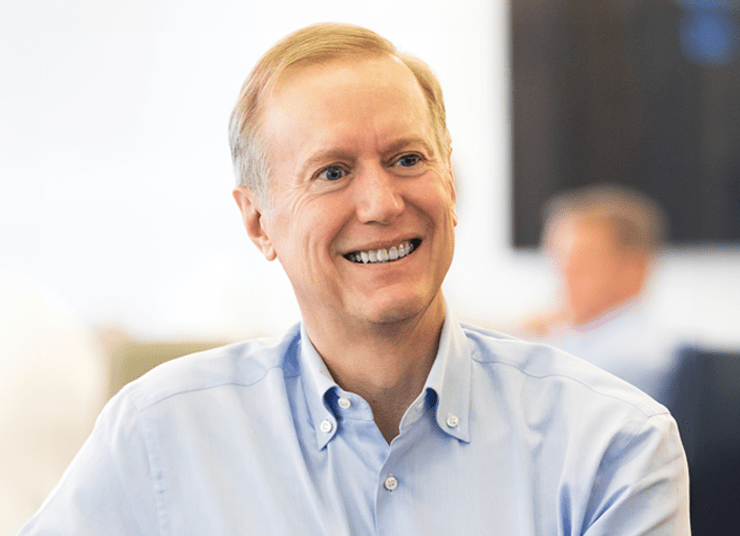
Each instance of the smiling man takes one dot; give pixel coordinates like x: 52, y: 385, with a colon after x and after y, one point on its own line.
x: 361, y: 215
x: 379, y: 413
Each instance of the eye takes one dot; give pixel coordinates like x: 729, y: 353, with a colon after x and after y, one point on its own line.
x: 332, y: 173
x: 408, y: 160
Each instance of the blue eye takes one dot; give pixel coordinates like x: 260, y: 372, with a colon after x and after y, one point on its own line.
x: 332, y: 173
x: 408, y: 160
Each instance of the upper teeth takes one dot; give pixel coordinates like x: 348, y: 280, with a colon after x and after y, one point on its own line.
x: 382, y: 255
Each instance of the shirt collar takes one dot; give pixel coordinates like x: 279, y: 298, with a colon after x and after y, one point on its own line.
x: 320, y: 387
x: 448, y: 385
x: 450, y: 380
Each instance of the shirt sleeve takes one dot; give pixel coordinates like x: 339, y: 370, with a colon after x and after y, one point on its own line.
x: 108, y: 488
x: 643, y: 486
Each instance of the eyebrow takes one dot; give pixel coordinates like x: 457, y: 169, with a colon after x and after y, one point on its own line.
x: 343, y: 154
x: 322, y: 157
x: 405, y: 142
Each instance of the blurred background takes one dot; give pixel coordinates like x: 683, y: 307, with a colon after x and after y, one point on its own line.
x: 116, y: 173
x: 116, y: 213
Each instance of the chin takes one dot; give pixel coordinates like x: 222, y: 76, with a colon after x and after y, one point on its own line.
x: 397, y: 311
x: 394, y: 316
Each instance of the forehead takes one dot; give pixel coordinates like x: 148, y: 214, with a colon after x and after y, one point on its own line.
x: 352, y: 68
x: 343, y: 91
x: 584, y: 232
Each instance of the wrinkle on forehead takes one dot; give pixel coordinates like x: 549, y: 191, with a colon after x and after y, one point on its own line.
x: 302, y: 78
x: 304, y: 93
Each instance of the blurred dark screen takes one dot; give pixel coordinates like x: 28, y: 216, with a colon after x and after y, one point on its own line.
x: 640, y: 92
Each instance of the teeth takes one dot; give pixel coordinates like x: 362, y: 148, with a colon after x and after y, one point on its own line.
x: 382, y: 255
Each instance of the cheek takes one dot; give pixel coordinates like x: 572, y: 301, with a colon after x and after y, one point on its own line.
x: 581, y: 278
x: 312, y: 230
x: 435, y: 200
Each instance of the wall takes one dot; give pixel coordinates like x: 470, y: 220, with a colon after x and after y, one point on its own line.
x: 115, y: 166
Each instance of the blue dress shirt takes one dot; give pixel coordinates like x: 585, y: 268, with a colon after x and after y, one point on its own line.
x: 630, y: 343
x: 507, y: 437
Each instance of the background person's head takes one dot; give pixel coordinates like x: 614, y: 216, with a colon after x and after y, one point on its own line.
x: 318, y: 43
x: 602, y: 239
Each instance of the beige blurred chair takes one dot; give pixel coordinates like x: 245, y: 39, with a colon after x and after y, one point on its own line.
x: 53, y: 383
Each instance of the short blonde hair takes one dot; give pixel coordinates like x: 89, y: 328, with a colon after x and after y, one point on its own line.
x: 315, y: 44
x: 639, y: 223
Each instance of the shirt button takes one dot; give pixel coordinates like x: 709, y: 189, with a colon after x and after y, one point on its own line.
x: 326, y: 426
x: 452, y: 421
x: 344, y: 402
x: 390, y: 483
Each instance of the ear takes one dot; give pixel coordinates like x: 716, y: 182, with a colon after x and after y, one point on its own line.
x: 253, y: 218
x: 453, y: 189
x: 639, y: 268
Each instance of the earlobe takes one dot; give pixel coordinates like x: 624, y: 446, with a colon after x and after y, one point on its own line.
x: 253, y: 218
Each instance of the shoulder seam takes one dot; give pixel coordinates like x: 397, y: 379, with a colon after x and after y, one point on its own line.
x: 141, y: 405
x: 641, y: 409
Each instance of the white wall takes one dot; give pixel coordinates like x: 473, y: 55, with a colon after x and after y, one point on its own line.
x: 116, y: 176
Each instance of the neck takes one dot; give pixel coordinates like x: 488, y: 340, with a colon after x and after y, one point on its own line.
x: 386, y: 364
x: 591, y: 316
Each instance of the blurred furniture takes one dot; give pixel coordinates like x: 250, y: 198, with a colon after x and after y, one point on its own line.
x: 53, y: 379
x: 131, y: 358
x: 706, y: 406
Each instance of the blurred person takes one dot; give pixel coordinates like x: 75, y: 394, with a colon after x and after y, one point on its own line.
x: 602, y: 241
x: 379, y: 412
x: 53, y: 383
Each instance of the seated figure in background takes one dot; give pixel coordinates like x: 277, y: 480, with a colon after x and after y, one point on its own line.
x: 602, y: 240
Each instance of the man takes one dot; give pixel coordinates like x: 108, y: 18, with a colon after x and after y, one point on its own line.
x: 602, y: 240
x: 379, y: 413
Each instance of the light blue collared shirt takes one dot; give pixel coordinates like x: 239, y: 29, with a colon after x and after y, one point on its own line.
x: 630, y: 343
x: 507, y: 437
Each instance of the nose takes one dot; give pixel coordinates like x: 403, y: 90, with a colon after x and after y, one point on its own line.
x: 378, y: 195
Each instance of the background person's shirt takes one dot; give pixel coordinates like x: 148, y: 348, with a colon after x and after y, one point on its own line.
x: 630, y: 343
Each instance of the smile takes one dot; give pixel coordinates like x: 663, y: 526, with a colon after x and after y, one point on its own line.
x: 377, y: 256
